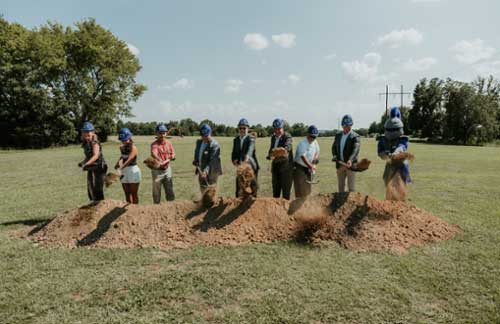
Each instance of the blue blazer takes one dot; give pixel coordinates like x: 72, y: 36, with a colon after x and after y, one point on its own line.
x: 210, y: 159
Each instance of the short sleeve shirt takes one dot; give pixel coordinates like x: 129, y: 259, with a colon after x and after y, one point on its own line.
x: 310, y: 150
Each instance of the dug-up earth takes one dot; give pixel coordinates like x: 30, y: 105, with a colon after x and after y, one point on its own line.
x: 354, y: 221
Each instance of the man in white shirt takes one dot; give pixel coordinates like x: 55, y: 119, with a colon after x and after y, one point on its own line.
x: 306, y: 158
x: 345, y: 150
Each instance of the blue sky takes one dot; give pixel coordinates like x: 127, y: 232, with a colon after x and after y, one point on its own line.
x: 305, y: 61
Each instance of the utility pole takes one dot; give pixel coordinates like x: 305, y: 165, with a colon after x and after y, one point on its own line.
x: 387, y: 93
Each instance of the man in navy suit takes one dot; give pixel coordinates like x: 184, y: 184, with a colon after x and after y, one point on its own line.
x: 244, y: 152
x: 207, y: 158
x: 281, y: 167
x: 345, y: 150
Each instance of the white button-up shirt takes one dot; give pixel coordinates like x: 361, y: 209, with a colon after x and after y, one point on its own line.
x: 309, y: 150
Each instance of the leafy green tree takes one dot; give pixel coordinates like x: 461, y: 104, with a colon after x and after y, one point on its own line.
x: 471, y: 112
x: 426, y: 116
x: 55, y: 78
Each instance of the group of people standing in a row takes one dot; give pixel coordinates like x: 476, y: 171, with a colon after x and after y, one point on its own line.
x: 286, y: 167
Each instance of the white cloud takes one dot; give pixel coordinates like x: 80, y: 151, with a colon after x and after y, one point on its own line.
x: 425, y: 1
x: 397, y: 38
x: 134, y: 50
x: 469, y: 52
x: 285, y: 40
x: 364, y: 70
x: 293, y: 78
x: 488, y: 68
x: 233, y: 86
x: 419, y: 64
x: 256, y: 41
x: 182, y: 84
x: 330, y: 57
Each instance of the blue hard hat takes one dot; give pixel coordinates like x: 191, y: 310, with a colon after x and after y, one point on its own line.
x: 87, y: 127
x: 161, y: 128
x: 347, y: 120
x: 124, y: 134
x: 243, y: 122
x: 205, y: 130
x: 278, y: 123
x: 395, y: 112
x: 313, y: 131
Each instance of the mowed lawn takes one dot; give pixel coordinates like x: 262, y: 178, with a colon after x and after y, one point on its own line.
x: 451, y: 282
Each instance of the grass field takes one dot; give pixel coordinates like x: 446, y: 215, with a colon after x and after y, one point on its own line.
x: 452, y: 282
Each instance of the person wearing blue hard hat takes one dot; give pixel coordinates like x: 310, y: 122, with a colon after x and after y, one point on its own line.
x: 163, y: 151
x: 94, y: 162
x: 130, y: 174
x: 391, y: 147
x: 281, y: 154
x: 306, y: 158
x: 345, y: 151
x: 244, y: 152
x: 207, y: 159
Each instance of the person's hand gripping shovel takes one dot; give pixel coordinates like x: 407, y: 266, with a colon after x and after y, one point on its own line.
x: 313, y: 179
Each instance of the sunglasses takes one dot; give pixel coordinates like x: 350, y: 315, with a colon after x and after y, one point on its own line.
x: 243, y: 128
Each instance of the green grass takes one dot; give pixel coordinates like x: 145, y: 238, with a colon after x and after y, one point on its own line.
x: 451, y: 282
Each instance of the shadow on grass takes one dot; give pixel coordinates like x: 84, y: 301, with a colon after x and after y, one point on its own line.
x: 27, y: 222
x: 39, y: 224
x: 102, y: 226
x: 215, y: 217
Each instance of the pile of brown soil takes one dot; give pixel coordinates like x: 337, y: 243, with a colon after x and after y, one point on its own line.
x: 355, y: 221
x: 246, y: 180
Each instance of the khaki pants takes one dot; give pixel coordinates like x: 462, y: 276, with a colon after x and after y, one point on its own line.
x: 342, y: 174
x: 163, y: 178
x: 300, y: 185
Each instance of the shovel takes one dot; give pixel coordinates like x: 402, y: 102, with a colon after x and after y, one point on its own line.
x: 313, y: 178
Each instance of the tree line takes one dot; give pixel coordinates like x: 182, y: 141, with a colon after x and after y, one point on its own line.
x: 189, y: 127
x: 452, y: 112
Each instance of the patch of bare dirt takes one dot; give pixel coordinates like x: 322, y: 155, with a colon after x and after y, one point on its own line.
x: 353, y: 220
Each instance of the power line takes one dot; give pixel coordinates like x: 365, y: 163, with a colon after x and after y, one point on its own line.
x: 387, y: 93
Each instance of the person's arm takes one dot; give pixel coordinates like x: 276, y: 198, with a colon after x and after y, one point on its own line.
x: 381, y: 149
x: 334, y: 149
x: 172, y: 151
x: 196, y: 162
x: 309, y: 164
x: 154, y: 152
x: 288, y: 142
x: 355, y: 150
x: 268, y: 157
x: 95, y: 155
x: 316, y: 156
x: 251, y: 148
x: 133, y: 154
x: 234, y: 153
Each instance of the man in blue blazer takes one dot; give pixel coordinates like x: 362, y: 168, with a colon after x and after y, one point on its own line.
x: 345, y: 150
x: 207, y: 158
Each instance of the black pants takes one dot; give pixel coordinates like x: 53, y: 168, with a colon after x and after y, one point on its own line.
x: 282, y: 179
x: 95, y: 184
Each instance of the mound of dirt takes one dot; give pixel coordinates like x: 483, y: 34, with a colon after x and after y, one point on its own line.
x: 354, y: 221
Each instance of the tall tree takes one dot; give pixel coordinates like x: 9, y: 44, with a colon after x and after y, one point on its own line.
x: 471, y: 112
x: 54, y: 78
x: 426, y: 116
